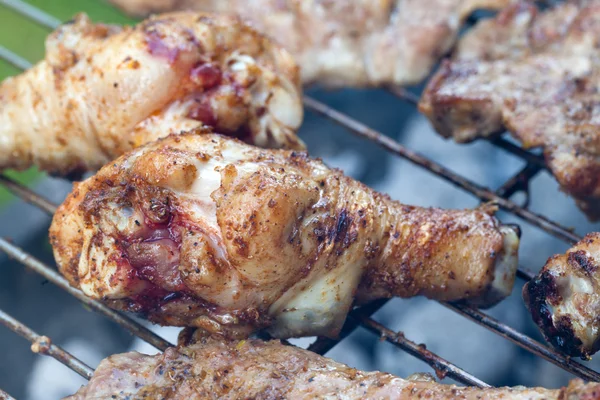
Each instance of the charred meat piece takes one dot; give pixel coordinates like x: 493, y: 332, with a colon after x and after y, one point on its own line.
x: 351, y: 42
x: 203, y: 230
x: 536, y: 74
x: 564, y: 299
x: 103, y: 90
x: 252, y: 369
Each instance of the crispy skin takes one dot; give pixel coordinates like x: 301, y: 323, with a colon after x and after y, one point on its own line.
x: 103, y: 90
x: 564, y: 298
x: 202, y: 230
x: 348, y: 43
x: 252, y: 369
x: 536, y: 74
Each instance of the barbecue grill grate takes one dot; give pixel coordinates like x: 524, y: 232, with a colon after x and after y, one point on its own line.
x: 358, y: 317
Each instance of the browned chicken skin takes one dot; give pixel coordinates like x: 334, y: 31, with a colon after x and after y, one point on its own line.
x: 564, y: 298
x: 103, y: 90
x: 251, y: 369
x: 350, y: 42
x: 536, y: 74
x: 200, y: 230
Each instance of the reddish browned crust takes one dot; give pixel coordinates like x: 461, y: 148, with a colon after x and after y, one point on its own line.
x: 534, y: 74
x: 551, y: 298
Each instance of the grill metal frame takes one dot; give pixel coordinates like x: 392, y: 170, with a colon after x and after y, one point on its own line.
x: 359, y: 317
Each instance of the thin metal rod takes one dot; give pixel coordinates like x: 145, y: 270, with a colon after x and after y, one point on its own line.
x: 31, y: 12
x: 43, y: 345
x: 525, y: 342
x: 481, y: 192
x: 14, y: 59
x: 519, y: 182
x: 28, y: 195
x: 442, y: 367
x: 518, y: 151
x: 323, y: 344
x: 360, y: 316
x: 404, y: 95
x: 525, y: 274
x: 54, y: 277
x: 5, y: 396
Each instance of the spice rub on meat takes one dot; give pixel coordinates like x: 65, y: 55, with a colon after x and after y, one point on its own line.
x: 252, y: 369
x: 203, y: 230
x: 103, y: 89
x: 564, y: 298
x: 536, y: 74
x: 350, y: 42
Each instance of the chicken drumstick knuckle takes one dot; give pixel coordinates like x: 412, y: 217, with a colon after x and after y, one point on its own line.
x: 200, y: 230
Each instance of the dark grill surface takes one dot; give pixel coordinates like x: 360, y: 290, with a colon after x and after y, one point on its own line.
x: 517, y: 184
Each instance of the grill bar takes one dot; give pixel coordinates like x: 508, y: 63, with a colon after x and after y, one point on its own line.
x: 525, y: 342
x: 5, y: 396
x: 28, y: 195
x: 31, y: 12
x: 43, y: 345
x: 498, y: 141
x: 482, y: 193
x: 519, y: 183
x: 519, y: 152
x: 13, y: 59
x: 441, y: 367
x: 54, y: 277
x: 361, y: 317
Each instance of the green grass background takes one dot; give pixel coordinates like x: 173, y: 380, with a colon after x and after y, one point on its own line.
x: 26, y: 38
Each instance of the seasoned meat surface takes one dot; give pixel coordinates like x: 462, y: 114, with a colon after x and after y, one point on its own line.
x: 564, y: 298
x: 103, y: 90
x: 536, y: 74
x: 351, y: 42
x: 251, y: 369
x: 202, y: 230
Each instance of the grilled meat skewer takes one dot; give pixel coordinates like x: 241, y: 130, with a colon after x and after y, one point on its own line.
x: 564, y: 299
x: 104, y: 89
x: 535, y: 74
x: 252, y: 369
x: 351, y: 42
x: 202, y: 230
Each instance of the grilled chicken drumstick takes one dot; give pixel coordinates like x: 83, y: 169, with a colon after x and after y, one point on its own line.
x: 351, y: 42
x: 564, y: 298
x: 202, y: 230
x: 536, y: 74
x: 252, y: 369
x: 103, y: 90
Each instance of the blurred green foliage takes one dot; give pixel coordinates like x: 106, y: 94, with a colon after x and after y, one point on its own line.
x: 26, y: 38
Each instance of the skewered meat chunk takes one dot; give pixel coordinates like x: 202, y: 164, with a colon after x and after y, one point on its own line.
x: 103, y: 90
x: 564, y: 298
x: 536, y: 74
x: 251, y: 369
x: 202, y: 230
x: 352, y: 42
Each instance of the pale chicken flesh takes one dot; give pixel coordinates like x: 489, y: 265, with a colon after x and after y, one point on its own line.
x: 203, y: 230
x: 351, y: 42
x: 104, y: 89
x: 251, y: 369
x: 534, y: 73
x: 564, y: 298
